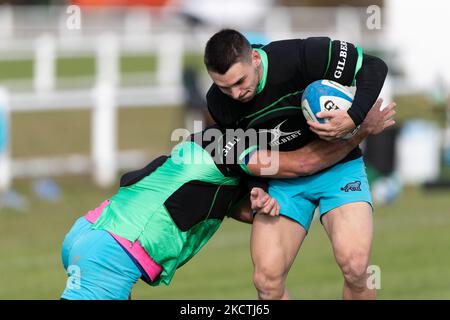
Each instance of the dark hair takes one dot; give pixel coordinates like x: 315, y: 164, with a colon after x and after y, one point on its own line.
x: 224, y: 49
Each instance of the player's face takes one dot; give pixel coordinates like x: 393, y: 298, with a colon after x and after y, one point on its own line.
x: 241, y: 80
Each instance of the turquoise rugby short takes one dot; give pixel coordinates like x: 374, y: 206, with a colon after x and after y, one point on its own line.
x: 98, y: 268
x: 331, y: 188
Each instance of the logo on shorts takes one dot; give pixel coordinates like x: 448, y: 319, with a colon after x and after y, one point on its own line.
x: 352, y: 186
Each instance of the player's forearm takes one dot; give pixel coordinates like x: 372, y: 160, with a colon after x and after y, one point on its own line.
x: 369, y: 82
x: 314, y: 157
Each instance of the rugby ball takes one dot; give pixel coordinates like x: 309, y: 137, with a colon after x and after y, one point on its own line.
x: 326, y: 95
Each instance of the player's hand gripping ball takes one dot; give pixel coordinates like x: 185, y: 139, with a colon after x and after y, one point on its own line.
x: 326, y: 95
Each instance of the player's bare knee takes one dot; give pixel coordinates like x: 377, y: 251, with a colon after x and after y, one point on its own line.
x: 354, y: 269
x: 268, y: 285
x: 275, y: 294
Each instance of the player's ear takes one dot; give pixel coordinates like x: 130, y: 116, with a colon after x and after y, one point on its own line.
x: 256, y: 58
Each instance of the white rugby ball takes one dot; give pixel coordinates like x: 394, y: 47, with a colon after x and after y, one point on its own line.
x: 326, y: 95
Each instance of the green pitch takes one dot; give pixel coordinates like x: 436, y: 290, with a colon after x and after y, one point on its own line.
x: 411, y: 248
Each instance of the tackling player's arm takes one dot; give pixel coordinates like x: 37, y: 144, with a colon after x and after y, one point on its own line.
x: 242, y: 212
x: 319, y: 154
x: 343, y: 62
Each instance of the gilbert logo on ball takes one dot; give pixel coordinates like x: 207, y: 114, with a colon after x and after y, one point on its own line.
x: 326, y: 95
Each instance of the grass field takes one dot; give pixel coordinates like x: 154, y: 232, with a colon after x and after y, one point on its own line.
x: 411, y: 236
x: 411, y: 247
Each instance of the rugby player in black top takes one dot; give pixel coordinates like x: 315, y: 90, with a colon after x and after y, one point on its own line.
x: 260, y: 88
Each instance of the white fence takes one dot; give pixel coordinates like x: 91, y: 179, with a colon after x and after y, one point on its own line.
x: 44, y: 40
x: 103, y: 99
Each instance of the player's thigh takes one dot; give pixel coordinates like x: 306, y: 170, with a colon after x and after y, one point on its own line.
x: 350, y: 229
x: 275, y: 242
x: 345, y: 208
